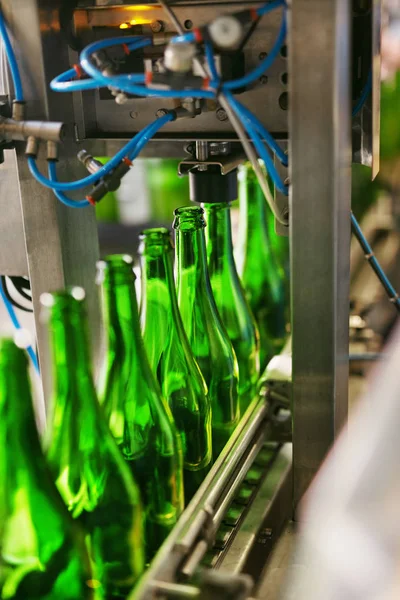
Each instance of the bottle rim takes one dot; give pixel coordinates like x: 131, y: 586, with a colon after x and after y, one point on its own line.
x: 115, y: 265
x: 71, y: 299
x: 189, y: 218
x: 155, y: 239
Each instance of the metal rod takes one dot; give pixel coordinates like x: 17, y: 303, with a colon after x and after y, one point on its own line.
x: 200, y: 510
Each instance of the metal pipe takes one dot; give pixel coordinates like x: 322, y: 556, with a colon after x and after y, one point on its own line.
x: 199, y: 513
x: 21, y: 130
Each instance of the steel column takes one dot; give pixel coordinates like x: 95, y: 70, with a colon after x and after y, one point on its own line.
x: 319, y: 49
x: 61, y: 243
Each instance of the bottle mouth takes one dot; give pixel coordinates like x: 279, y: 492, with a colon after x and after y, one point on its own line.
x: 71, y: 299
x: 155, y: 241
x: 118, y: 266
x: 189, y: 218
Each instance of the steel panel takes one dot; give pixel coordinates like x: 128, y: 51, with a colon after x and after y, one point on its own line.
x: 319, y: 59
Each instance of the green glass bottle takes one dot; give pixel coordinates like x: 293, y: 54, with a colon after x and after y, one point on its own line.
x: 207, y: 336
x: 42, y: 553
x: 88, y: 469
x: 139, y: 418
x: 171, y: 358
x: 260, y: 273
x: 230, y: 299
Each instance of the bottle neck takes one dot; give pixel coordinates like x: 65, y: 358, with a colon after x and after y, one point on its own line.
x: 69, y: 347
x: 191, y: 258
x: 219, y: 238
x: 121, y: 320
x: 157, y: 282
x: 20, y: 450
x: 253, y: 227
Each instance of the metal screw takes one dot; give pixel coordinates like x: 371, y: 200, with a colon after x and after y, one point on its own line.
x: 263, y: 79
x: 156, y: 26
x: 188, y: 24
x: 161, y: 112
x: 133, y: 114
x: 190, y: 148
x: 221, y: 115
x: 262, y: 55
x: 264, y: 536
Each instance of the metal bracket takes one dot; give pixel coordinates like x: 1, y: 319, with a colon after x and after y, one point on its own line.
x: 226, y: 163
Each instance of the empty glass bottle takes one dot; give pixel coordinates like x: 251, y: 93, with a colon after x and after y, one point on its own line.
x: 230, y: 299
x: 88, y: 469
x: 139, y: 418
x: 42, y: 552
x: 171, y: 358
x: 260, y: 273
x: 207, y: 336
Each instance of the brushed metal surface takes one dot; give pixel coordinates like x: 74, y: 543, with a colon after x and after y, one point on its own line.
x: 13, y: 259
x: 319, y: 59
x: 61, y: 243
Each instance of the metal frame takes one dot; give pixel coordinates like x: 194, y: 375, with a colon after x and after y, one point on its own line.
x: 319, y: 55
x: 61, y: 244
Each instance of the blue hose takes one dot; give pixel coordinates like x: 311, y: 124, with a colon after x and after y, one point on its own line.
x: 12, y: 61
x: 59, y: 195
x: 272, y: 143
x: 17, y: 325
x: 107, y: 168
x: 126, y: 83
x: 364, y: 95
x: 264, y: 64
x: 269, y: 6
x: 259, y: 146
x: 373, y: 261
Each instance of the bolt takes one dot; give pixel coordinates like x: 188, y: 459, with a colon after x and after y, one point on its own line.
x: 221, y: 115
x: 284, y: 101
x: 190, y: 148
x: 188, y: 24
x: 262, y: 55
x: 133, y: 114
x: 156, y: 26
x: 263, y: 79
x: 161, y: 112
x: 202, y: 168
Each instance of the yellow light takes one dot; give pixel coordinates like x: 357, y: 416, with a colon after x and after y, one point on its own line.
x: 124, y: 26
x: 140, y: 21
x: 142, y: 7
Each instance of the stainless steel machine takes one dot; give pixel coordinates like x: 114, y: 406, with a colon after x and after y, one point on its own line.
x: 305, y: 101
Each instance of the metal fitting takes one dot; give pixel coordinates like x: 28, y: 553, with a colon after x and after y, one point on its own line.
x: 179, y: 57
x: 156, y: 26
x: 162, y: 38
x: 32, y: 147
x: 18, y: 110
x: 46, y: 131
x: 91, y: 164
x: 121, y: 98
x: 52, y: 151
x: 221, y: 114
x: 226, y: 31
x: 220, y: 148
x: 162, y: 112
